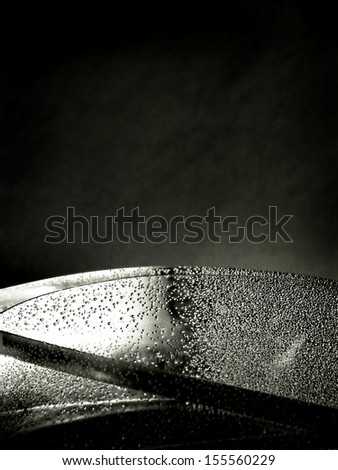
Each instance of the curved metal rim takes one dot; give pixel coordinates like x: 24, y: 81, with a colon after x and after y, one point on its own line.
x: 15, y: 295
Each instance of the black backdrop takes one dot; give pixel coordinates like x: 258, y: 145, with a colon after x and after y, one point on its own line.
x: 174, y: 109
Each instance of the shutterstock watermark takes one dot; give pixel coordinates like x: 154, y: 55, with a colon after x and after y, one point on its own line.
x: 131, y: 226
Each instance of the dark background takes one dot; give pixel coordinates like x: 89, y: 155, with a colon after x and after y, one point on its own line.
x: 173, y: 108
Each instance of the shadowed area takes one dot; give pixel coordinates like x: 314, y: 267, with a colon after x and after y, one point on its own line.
x: 174, y: 112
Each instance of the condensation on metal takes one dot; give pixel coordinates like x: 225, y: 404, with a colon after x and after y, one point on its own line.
x: 272, y: 332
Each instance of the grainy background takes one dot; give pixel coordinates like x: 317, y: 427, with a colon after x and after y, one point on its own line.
x: 173, y: 109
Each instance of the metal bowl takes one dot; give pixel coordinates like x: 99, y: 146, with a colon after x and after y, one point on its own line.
x: 272, y: 333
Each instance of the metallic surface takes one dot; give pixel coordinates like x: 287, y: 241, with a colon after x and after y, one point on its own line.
x: 263, y: 331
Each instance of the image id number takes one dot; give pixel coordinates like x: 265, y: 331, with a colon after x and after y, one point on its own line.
x: 233, y: 459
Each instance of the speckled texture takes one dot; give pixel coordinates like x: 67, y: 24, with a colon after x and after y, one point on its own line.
x: 272, y: 332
